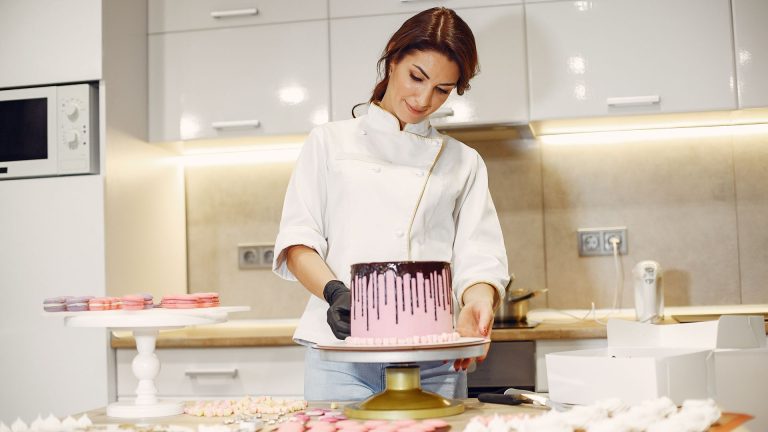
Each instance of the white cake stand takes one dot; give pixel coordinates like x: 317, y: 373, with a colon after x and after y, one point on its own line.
x: 403, y: 397
x: 145, y: 326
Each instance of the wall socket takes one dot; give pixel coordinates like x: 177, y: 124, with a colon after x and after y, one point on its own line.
x: 597, y: 241
x: 258, y: 256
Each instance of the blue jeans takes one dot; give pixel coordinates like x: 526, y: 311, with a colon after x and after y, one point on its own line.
x: 341, y: 381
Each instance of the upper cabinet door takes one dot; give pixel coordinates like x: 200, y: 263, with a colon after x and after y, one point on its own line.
x: 241, y: 81
x: 352, y: 8
x: 751, y: 39
x: 180, y: 15
x: 49, y: 41
x: 497, y: 95
x: 619, y: 57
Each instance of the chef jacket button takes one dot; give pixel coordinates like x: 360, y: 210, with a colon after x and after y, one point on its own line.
x: 399, y: 233
x: 419, y: 173
x: 362, y: 132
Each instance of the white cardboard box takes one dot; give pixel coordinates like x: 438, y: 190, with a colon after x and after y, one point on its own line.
x: 725, y: 360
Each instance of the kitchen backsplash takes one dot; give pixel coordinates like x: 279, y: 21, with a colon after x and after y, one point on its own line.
x: 698, y: 206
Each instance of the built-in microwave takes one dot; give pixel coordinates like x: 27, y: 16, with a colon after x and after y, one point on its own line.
x: 49, y: 131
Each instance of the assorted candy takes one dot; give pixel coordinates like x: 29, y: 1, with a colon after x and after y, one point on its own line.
x: 247, y: 406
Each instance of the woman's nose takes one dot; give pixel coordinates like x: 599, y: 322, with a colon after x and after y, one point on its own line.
x: 424, y: 98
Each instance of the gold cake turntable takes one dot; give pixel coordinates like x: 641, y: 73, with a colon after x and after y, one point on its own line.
x: 403, y: 397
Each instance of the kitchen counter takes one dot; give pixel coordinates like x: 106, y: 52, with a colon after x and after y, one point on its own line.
x: 554, y: 324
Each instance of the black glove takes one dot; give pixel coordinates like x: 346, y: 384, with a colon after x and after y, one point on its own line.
x: 338, y: 297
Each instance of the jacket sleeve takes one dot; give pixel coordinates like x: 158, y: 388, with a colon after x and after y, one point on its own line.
x: 478, y: 248
x: 302, y: 222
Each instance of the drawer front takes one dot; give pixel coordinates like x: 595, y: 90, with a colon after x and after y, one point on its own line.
x: 219, y: 372
x: 353, y: 8
x: 180, y: 15
x: 509, y: 364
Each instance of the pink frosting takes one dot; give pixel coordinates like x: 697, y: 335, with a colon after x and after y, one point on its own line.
x: 392, y: 306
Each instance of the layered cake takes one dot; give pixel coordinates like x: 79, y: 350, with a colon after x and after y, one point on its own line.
x: 401, y: 303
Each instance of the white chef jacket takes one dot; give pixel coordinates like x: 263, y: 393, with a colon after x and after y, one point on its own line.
x: 363, y: 190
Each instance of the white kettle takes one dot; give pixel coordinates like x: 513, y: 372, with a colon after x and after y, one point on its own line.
x: 649, y: 295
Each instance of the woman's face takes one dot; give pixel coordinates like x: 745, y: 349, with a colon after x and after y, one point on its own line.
x: 418, y: 85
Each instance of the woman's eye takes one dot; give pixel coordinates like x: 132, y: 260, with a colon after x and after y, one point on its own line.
x: 442, y: 90
x: 415, y: 78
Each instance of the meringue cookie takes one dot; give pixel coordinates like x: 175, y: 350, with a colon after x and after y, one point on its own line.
x: 19, y: 426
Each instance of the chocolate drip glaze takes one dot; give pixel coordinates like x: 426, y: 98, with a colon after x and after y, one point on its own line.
x: 402, y: 292
x: 413, y: 285
x: 367, y: 315
x: 410, y: 287
x: 369, y: 279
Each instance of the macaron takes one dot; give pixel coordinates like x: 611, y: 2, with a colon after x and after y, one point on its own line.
x: 99, y: 304
x: 78, y: 303
x: 133, y: 302
x: 208, y: 299
x: 148, y: 304
x: 115, y: 303
x: 55, y: 304
x: 179, y: 301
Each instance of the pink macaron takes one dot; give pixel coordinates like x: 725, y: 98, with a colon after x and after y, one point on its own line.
x: 133, y: 302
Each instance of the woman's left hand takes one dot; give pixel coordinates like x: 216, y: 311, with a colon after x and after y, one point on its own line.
x: 476, y: 318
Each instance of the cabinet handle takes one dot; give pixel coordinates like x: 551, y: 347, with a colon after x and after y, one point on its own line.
x: 442, y: 113
x: 193, y: 373
x: 234, y: 13
x: 633, y: 100
x: 236, y: 124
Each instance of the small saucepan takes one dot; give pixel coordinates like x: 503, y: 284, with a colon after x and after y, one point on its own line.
x: 514, y: 308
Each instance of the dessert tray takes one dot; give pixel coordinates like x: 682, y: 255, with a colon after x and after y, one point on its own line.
x: 145, y: 324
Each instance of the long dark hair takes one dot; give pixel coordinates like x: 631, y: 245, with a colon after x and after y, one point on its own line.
x: 438, y: 29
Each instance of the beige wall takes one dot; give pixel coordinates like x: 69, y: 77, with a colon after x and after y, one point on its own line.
x: 698, y: 206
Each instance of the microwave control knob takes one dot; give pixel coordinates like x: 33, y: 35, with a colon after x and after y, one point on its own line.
x: 72, y: 139
x: 71, y: 110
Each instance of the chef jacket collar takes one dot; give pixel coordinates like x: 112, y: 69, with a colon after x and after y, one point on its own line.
x: 380, y: 118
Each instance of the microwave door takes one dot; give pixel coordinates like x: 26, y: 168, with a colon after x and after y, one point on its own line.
x: 28, y: 132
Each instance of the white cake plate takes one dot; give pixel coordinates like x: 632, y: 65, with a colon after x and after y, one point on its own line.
x: 403, y: 397
x: 145, y: 325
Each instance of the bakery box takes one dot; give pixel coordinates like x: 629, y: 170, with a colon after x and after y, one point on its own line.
x: 726, y: 360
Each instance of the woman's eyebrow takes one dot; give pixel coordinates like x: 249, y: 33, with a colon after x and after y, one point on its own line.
x: 425, y: 74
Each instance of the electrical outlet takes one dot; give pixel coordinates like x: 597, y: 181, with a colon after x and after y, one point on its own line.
x: 597, y: 241
x: 255, y: 256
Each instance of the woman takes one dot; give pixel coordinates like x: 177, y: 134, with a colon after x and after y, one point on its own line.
x: 388, y: 187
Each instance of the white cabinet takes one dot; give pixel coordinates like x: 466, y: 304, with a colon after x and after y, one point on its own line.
x: 351, y: 8
x: 498, y: 93
x: 751, y: 40
x: 619, y: 57
x: 269, y: 79
x: 219, y: 372
x: 49, y: 41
